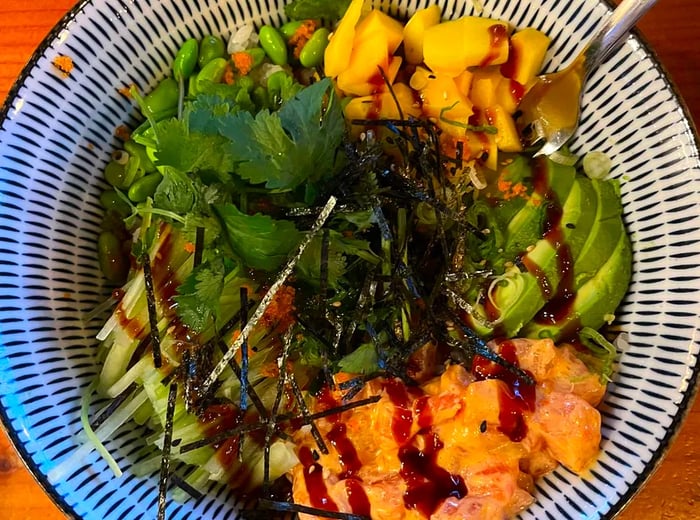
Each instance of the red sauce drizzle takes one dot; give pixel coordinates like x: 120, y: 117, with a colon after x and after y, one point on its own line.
x: 498, y: 33
x: 219, y: 418
x: 346, y: 451
x: 427, y: 484
x: 315, y: 485
x: 519, y: 398
x: 403, y: 416
x: 517, y: 90
x: 559, y: 304
x: 377, y: 83
x: 508, y: 68
x: 425, y: 418
x: 357, y: 498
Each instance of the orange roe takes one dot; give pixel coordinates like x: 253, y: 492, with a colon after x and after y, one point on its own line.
x: 511, y: 190
x: 126, y: 91
x: 189, y: 247
x: 122, y: 132
x: 243, y: 61
x: 64, y: 64
x: 301, y: 36
x: 229, y: 76
x: 279, y: 314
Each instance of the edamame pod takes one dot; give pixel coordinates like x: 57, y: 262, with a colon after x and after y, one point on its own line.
x: 138, y: 150
x: 312, y: 53
x: 212, y: 71
x: 145, y: 187
x: 257, y: 54
x: 111, y: 201
x: 186, y: 59
x: 290, y: 28
x: 210, y: 48
x: 273, y: 43
x: 115, y: 173
x: 162, y: 99
x: 113, y: 263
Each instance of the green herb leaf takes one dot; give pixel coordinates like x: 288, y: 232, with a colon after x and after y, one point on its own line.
x: 362, y: 360
x: 309, y: 265
x: 286, y: 148
x: 198, y: 297
x: 176, y: 192
x: 261, y: 242
x: 192, y: 151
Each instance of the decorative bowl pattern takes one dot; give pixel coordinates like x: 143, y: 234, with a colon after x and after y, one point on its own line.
x: 56, y: 135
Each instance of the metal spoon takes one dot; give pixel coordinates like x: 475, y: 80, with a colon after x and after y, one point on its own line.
x: 551, y: 108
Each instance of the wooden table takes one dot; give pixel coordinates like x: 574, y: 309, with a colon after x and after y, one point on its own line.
x: 671, y: 28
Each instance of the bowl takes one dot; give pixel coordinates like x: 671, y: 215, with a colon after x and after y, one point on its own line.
x: 57, y: 133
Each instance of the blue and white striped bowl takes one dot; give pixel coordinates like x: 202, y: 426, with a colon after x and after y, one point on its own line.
x: 56, y: 136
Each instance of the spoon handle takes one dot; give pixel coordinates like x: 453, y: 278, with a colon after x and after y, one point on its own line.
x: 614, y: 30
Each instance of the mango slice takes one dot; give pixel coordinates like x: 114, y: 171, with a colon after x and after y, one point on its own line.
x: 442, y: 100
x: 414, y: 32
x: 507, y: 138
x: 527, y: 52
x: 339, y: 50
x: 450, y: 47
x: 361, y: 77
x: 377, y: 21
x: 383, y: 106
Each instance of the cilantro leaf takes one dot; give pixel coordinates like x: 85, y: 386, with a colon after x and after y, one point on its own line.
x: 261, y: 242
x: 286, y: 148
x: 192, y: 151
x: 203, y: 112
x: 198, y: 297
x: 362, y: 360
x: 312, y: 9
x: 176, y: 192
x: 309, y: 265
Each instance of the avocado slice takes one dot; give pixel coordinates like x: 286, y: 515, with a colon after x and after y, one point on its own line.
x: 520, y: 295
x: 604, y: 234
x: 597, y: 298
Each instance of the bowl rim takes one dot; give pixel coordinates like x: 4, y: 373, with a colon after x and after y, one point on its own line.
x: 684, y: 406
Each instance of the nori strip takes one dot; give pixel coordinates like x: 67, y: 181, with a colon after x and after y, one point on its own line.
x: 152, y: 312
x: 305, y: 413
x: 112, y: 406
x: 222, y: 436
x: 198, y: 246
x: 165, y: 457
x: 290, y: 507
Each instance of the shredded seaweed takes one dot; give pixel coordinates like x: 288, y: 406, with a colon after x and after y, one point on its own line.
x: 165, y: 454
x: 290, y: 507
x: 152, y: 312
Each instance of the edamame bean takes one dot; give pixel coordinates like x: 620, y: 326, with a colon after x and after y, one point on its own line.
x: 115, y: 173
x: 210, y: 48
x: 132, y: 170
x: 246, y: 83
x: 113, y: 263
x: 138, y: 150
x: 186, y: 60
x: 260, y: 97
x: 312, y: 53
x: 162, y: 99
x: 212, y: 71
x: 144, y: 187
x: 112, y: 201
x: 274, y: 45
x: 290, y: 28
x: 257, y: 54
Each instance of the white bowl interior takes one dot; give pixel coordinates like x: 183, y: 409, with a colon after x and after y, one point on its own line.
x: 57, y: 136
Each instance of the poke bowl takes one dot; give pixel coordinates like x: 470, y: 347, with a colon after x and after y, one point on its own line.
x: 59, y: 135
